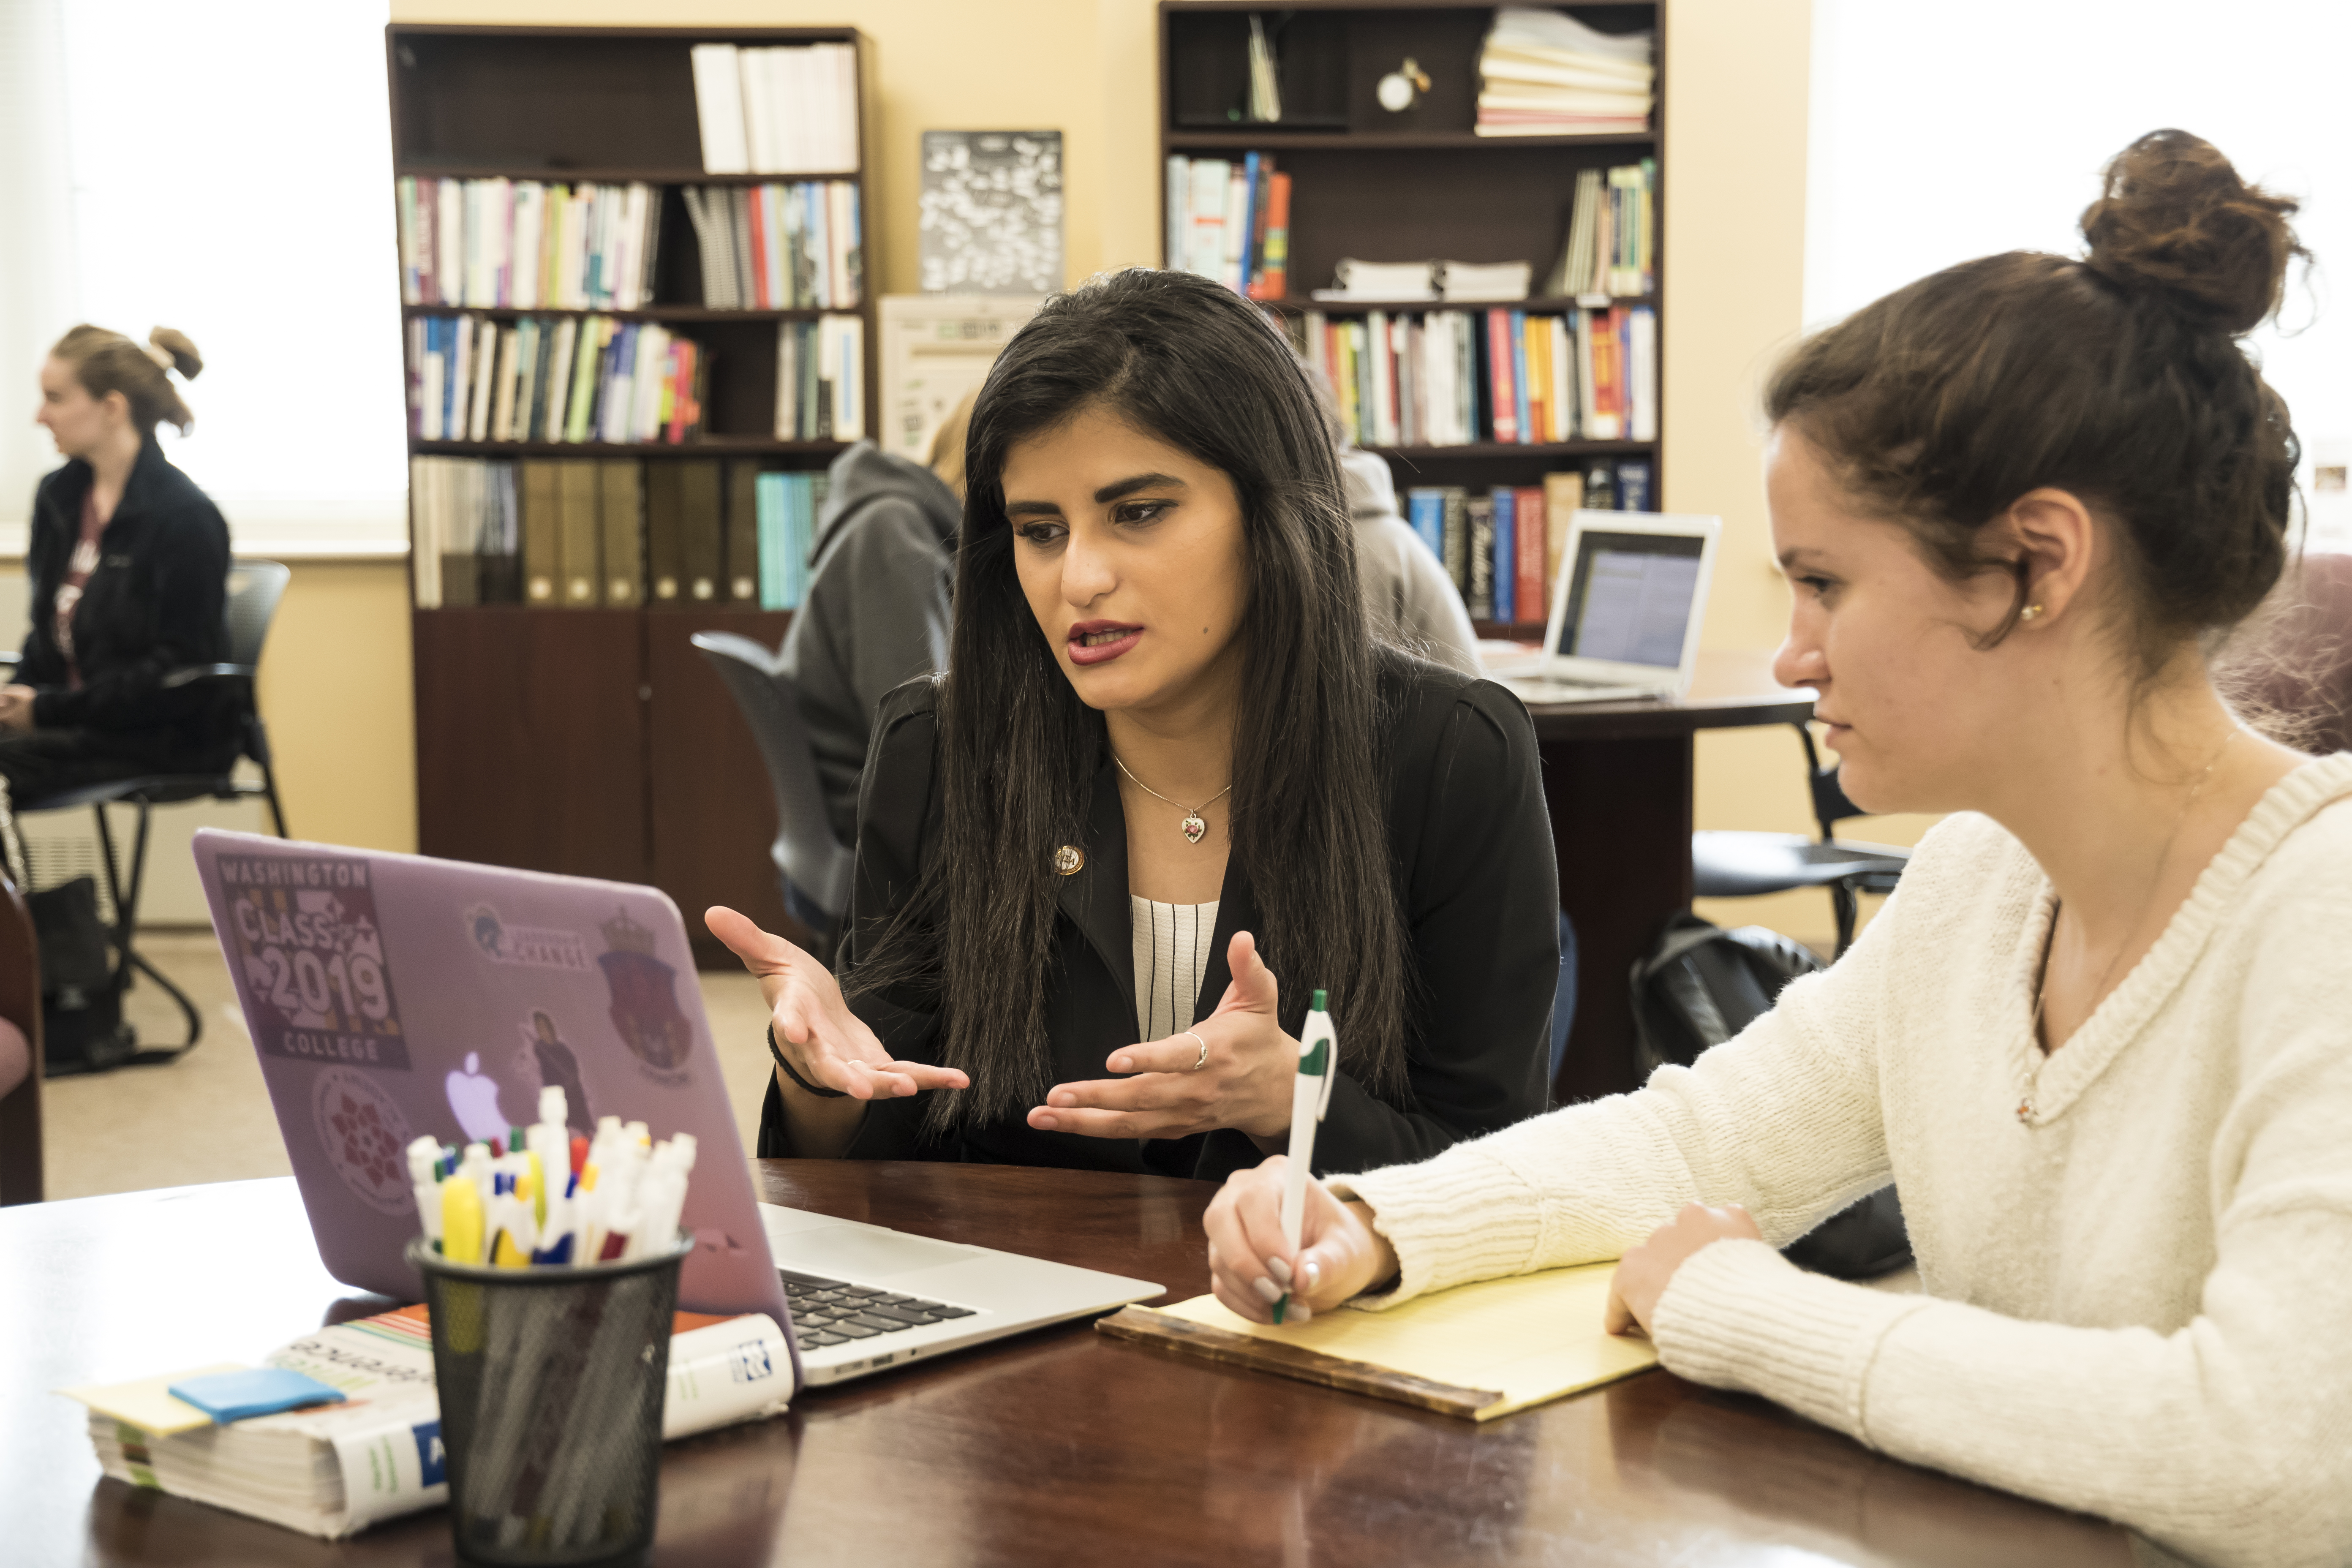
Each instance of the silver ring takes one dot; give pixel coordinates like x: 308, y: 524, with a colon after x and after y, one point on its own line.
x: 1204, y: 1060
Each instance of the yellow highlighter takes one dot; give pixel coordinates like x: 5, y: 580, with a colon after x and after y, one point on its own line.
x: 538, y: 1195
x: 461, y: 1221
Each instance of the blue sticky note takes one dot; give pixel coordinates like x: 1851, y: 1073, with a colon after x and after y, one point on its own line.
x: 228, y: 1396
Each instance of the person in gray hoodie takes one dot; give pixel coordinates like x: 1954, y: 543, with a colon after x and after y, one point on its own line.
x: 1408, y: 597
x: 876, y: 610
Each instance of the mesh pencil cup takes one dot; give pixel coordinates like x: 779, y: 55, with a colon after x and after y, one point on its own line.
x: 551, y: 1382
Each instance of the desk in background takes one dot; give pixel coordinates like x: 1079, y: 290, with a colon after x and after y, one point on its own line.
x: 1617, y: 779
x: 1060, y: 1447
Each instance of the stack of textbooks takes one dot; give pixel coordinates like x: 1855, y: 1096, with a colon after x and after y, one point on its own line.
x: 790, y: 110
x: 778, y: 247
x: 334, y: 1469
x: 1231, y: 222
x: 523, y: 244
x: 1544, y: 73
x: 1453, y: 378
x: 1503, y: 547
x: 821, y: 379
x: 1613, y: 234
x: 614, y: 533
x: 552, y: 378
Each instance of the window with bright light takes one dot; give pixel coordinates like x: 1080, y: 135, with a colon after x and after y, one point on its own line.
x: 1944, y: 130
x: 231, y: 172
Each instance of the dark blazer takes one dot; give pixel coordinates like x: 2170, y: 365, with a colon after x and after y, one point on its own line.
x: 153, y: 605
x: 1471, y: 852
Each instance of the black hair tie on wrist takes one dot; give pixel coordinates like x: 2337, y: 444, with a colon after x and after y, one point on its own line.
x: 777, y: 1051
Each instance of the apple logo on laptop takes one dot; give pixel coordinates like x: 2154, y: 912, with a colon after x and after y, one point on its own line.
x: 474, y: 1101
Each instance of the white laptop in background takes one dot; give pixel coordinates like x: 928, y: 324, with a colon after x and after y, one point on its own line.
x: 1625, y: 611
x: 391, y: 996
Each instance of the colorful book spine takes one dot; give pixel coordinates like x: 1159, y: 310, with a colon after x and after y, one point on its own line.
x: 1499, y: 360
x: 1502, y: 594
x: 1529, y: 534
x: 1425, y: 511
x: 1479, y: 597
x: 1519, y: 406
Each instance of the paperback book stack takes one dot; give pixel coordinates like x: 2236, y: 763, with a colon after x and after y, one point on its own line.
x: 790, y: 110
x: 553, y: 378
x: 821, y: 379
x: 1613, y: 234
x: 523, y: 244
x: 1231, y: 221
x: 334, y: 1469
x: 778, y: 247
x: 1544, y: 73
x: 1453, y: 378
x: 1503, y: 546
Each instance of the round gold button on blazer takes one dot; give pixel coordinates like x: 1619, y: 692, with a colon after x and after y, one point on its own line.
x: 1069, y: 859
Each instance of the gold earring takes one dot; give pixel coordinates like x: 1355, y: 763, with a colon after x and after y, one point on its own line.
x: 2029, y: 613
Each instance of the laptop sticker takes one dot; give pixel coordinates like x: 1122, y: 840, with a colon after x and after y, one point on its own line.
x: 365, y: 1137
x: 310, y: 959
x: 645, y: 1001
x: 545, y: 1056
x: 536, y: 947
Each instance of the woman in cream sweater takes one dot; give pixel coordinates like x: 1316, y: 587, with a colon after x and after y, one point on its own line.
x: 2102, y: 1035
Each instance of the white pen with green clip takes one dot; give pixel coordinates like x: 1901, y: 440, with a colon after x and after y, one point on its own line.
x: 1311, y: 1097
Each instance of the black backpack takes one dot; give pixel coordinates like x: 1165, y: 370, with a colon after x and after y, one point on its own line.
x: 1700, y: 984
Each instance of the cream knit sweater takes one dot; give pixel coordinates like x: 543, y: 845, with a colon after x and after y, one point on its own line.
x: 2136, y: 1252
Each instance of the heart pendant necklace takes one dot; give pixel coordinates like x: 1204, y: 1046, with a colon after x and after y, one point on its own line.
x: 1194, y: 826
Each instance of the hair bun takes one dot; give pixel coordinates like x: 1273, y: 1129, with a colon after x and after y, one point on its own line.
x: 2174, y: 218
x: 184, y: 357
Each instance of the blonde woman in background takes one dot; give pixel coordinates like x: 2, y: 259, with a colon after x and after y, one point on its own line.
x: 128, y: 566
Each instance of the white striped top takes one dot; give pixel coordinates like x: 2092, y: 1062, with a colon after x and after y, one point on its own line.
x: 1171, y: 955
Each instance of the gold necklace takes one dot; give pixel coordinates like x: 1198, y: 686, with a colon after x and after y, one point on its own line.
x: 2050, y: 945
x: 1193, y: 826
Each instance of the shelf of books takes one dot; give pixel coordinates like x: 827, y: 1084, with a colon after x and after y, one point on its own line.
x: 638, y: 324
x: 1453, y: 213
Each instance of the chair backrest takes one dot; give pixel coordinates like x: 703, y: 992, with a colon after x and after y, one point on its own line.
x: 1830, y: 803
x: 20, y: 1007
x: 805, y: 850
x: 2291, y: 669
x: 254, y: 589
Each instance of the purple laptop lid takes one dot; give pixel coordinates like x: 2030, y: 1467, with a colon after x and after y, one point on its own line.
x: 390, y: 997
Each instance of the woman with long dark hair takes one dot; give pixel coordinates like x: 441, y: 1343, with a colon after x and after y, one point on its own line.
x: 1166, y: 764
x: 2101, y: 1038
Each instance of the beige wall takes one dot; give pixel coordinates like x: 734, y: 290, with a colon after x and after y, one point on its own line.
x: 1737, y: 74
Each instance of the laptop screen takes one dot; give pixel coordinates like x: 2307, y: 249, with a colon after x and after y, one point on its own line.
x: 1631, y: 599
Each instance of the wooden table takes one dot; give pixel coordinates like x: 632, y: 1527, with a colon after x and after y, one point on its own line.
x: 1618, y: 778
x: 1061, y: 1446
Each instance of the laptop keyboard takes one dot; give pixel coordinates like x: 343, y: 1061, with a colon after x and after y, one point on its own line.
x: 833, y: 1312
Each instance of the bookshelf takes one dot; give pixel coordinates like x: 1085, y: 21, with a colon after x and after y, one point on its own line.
x: 1409, y: 187
x: 593, y: 740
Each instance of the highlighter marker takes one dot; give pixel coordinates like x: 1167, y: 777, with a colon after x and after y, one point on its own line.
x: 461, y: 1220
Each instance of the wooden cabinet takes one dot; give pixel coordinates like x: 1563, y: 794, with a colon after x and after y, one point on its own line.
x: 597, y: 743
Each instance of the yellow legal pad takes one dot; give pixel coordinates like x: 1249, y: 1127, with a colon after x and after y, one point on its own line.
x: 1477, y: 1350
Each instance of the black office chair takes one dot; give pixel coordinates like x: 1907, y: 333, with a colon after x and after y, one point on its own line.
x: 813, y: 866
x: 1739, y: 865
x: 254, y: 589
